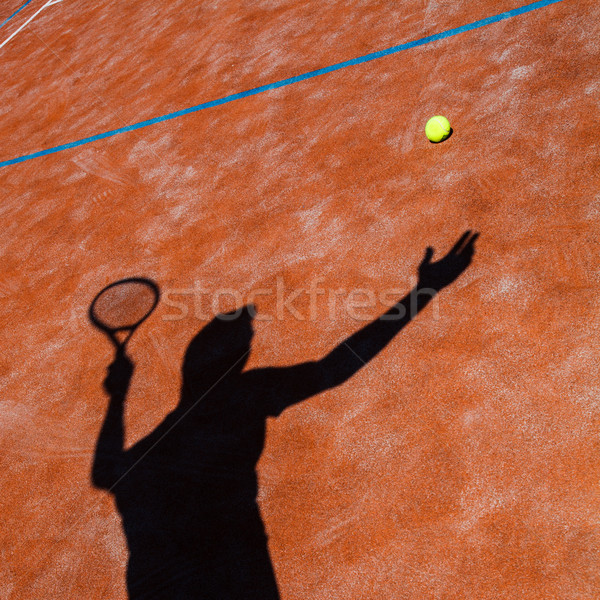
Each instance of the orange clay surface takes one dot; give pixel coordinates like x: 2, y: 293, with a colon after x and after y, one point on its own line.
x: 462, y: 461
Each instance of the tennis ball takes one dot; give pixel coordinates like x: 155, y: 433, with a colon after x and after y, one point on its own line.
x: 437, y: 129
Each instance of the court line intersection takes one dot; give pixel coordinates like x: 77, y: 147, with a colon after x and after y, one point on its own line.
x: 12, y: 35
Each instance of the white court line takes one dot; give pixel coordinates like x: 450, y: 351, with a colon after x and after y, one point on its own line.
x: 12, y: 35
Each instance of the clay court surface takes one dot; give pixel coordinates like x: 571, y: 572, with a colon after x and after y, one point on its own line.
x: 462, y: 461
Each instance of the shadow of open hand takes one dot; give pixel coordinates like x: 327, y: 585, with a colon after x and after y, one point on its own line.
x: 437, y: 275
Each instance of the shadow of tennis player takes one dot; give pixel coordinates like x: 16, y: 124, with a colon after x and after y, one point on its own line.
x: 187, y: 492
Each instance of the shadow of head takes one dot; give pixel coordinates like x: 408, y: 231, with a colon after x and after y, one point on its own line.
x: 218, y: 351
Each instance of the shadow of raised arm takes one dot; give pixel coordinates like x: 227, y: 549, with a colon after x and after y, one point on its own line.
x: 282, y: 387
x: 109, y: 455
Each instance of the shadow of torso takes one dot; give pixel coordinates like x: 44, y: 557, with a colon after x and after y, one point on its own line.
x: 188, y: 503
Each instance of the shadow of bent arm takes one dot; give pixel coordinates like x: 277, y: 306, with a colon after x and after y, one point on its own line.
x: 109, y: 456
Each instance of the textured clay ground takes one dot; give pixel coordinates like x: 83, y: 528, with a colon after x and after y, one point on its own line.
x: 462, y: 462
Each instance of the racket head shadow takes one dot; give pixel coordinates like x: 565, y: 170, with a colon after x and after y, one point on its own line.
x: 122, y: 306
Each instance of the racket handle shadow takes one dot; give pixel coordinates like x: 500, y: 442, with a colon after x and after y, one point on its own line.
x: 119, y: 373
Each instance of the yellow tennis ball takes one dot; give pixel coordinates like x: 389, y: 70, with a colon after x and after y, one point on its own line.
x: 437, y: 129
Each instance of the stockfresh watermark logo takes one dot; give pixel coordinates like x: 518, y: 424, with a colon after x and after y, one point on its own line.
x: 312, y: 302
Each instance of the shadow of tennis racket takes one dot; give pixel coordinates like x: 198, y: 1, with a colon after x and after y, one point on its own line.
x: 118, y: 310
x: 121, y: 307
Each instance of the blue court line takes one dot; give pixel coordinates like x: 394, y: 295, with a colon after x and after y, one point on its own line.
x: 285, y: 82
x: 15, y: 13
